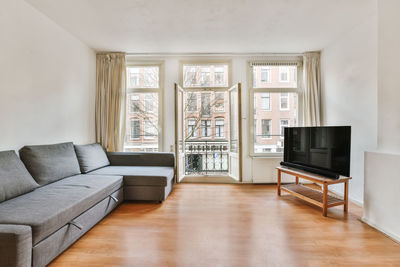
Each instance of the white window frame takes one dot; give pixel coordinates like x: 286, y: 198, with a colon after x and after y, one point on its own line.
x: 268, y: 69
x: 269, y: 102
x: 205, y: 129
x: 193, y: 127
x: 221, y: 134
x: 252, y: 90
x: 130, y: 125
x: 281, y: 131
x: 133, y: 62
x: 281, y: 68
x: 270, y: 128
x: 280, y: 101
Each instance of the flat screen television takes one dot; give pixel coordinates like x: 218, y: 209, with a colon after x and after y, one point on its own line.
x: 321, y: 150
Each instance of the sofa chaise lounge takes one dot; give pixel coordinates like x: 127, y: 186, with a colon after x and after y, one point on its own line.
x: 53, y: 194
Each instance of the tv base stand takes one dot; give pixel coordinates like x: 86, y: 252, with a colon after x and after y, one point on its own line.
x: 316, y: 197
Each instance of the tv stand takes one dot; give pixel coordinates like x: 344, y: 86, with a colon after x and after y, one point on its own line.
x: 316, y: 197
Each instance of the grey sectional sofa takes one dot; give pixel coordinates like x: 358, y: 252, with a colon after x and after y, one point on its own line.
x: 53, y: 194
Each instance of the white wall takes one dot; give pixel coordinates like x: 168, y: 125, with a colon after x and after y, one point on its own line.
x: 47, y: 80
x: 382, y: 181
x: 349, y: 94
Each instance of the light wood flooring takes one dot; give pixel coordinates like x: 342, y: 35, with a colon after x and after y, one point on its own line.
x: 231, y: 225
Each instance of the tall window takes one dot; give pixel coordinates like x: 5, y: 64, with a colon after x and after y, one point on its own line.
x: 219, y: 128
x: 219, y: 102
x: 266, y: 128
x: 206, y: 128
x: 219, y: 76
x: 205, y: 76
x: 143, y: 106
x: 284, y: 101
x: 192, y: 128
x: 274, y: 103
x: 265, y: 101
x: 192, y: 102
x: 283, y: 124
x: 134, y: 104
x: 205, y: 104
x: 134, y: 129
x: 265, y: 74
x: 284, y: 74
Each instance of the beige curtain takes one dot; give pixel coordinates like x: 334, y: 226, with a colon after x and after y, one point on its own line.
x: 312, y: 89
x: 110, y: 100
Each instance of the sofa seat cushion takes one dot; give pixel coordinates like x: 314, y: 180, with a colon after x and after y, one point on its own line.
x: 50, y: 207
x: 50, y: 163
x: 91, y: 157
x: 140, y: 175
x: 15, y: 179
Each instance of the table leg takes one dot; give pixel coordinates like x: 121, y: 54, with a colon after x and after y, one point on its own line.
x: 325, y: 200
x: 279, y: 182
x: 346, y: 196
x: 297, y: 180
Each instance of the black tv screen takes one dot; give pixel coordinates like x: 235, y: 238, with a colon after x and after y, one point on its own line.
x: 325, y: 149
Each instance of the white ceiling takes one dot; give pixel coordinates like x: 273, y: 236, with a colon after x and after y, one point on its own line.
x: 206, y: 26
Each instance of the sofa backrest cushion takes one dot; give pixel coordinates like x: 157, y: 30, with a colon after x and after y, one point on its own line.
x: 50, y: 163
x: 91, y: 157
x: 15, y: 179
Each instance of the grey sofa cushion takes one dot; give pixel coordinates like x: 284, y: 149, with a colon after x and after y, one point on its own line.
x: 49, y: 163
x: 139, y: 175
x: 50, y: 207
x: 91, y: 157
x: 15, y: 179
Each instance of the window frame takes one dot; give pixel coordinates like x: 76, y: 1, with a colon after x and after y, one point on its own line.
x: 251, y: 96
x: 288, y: 102
x: 132, y: 62
x: 219, y: 128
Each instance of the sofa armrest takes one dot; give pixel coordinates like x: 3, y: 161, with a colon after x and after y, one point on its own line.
x: 15, y: 245
x: 141, y: 159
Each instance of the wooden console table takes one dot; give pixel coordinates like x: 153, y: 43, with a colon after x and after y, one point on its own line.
x: 316, y: 197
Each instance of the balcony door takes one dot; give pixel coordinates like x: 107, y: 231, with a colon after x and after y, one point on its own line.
x: 207, y: 134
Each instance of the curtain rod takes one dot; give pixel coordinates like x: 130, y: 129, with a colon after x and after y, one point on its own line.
x: 210, y: 54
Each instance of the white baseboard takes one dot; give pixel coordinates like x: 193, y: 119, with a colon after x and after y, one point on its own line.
x: 389, y: 234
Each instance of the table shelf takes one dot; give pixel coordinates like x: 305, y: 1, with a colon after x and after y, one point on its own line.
x: 316, y: 197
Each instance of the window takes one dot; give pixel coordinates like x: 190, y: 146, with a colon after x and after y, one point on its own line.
x: 284, y: 74
x: 148, y: 103
x: 205, y: 104
x: 219, y: 102
x: 219, y: 76
x: 265, y: 101
x: 206, y: 128
x: 143, y: 76
x: 205, y: 75
x: 266, y: 128
x: 283, y: 123
x: 143, y: 107
x: 192, y: 102
x: 149, y: 129
x: 134, y: 77
x: 134, y: 105
x: 219, y: 128
x: 192, y: 128
x: 265, y: 74
x: 284, y: 101
x: 274, y: 103
x: 135, y: 129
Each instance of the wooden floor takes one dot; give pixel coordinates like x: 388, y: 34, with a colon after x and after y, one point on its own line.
x: 231, y: 225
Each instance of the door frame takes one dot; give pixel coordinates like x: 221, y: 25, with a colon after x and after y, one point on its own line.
x: 207, y: 178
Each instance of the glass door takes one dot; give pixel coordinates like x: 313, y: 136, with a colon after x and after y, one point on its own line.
x: 208, y: 134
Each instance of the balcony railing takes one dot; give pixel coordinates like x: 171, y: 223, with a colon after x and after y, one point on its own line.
x: 206, y: 157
